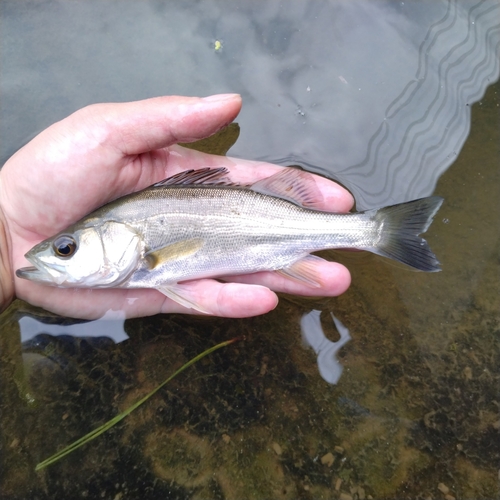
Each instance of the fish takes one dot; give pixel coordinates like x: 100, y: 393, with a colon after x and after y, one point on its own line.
x: 198, y: 224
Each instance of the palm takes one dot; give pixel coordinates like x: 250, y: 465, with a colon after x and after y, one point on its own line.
x: 106, y: 151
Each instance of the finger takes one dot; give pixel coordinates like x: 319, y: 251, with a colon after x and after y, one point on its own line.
x: 137, y: 127
x: 104, y: 131
x: 335, y: 280
x: 231, y: 300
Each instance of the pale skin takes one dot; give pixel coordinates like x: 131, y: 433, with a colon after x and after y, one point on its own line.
x: 105, y: 151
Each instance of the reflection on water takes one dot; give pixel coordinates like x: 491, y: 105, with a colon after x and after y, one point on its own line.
x: 314, y: 336
x: 108, y: 326
x: 383, y: 86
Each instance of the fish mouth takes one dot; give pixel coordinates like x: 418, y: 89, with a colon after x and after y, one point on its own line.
x: 39, y: 272
x: 35, y: 274
x: 27, y: 272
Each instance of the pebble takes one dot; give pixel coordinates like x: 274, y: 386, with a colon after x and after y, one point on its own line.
x: 277, y: 448
x: 328, y: 459
x: 263, y: 369
x: 345, y: 496
x: 443, y: 488
x: 360, y: 492
x: 226, y: 438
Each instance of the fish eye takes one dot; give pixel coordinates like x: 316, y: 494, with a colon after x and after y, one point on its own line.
x: 64, y: 246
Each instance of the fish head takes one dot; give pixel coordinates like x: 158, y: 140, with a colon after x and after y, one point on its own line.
x: 98, y: 255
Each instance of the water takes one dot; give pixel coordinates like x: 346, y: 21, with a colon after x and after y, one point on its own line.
x: 416, y: 408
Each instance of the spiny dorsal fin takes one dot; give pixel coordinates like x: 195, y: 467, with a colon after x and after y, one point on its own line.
x: 201, y: 176
x: 293, y: 185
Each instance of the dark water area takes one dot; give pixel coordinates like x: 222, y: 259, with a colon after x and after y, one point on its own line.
x: 415, y: 412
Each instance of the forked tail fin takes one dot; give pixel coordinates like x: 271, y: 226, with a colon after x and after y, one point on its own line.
x: 400, y: 228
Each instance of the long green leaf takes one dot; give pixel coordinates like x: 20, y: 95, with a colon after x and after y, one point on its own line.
x: 103, y: 428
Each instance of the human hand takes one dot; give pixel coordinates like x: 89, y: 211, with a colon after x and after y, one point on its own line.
x: 105, y: 151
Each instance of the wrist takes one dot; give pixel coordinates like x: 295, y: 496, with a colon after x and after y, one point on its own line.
x: 6, y: 273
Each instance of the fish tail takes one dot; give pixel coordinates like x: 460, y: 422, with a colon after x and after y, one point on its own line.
x: 401, y: 225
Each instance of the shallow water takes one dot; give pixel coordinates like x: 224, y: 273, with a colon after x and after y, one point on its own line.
x: 415, y: 412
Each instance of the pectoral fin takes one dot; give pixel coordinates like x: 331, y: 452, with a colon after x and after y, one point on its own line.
x: 304, y: 271
x: 174, y: 251
x: 183, y: 296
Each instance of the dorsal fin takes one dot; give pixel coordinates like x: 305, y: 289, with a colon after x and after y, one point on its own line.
x: 293, y: 185
x: 201, y: 176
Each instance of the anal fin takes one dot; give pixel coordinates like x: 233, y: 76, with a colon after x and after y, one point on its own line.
x: 304, y: 271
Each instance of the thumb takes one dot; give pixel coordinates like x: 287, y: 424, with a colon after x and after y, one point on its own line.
x: 141, y: 126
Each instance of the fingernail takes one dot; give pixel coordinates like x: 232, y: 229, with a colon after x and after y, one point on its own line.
x: 221, y: 97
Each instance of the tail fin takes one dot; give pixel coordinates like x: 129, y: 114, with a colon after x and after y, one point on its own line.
x: 401, y: 225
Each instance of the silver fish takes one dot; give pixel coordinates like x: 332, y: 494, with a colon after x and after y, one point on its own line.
x: 197, y: 225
